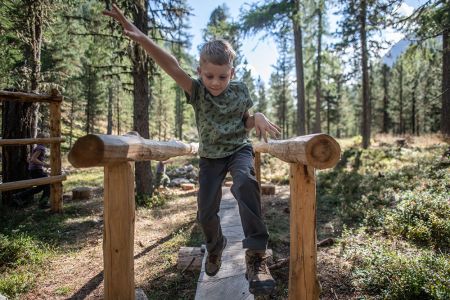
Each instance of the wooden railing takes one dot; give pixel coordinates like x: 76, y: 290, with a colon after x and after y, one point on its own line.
x: 304, y: 154
x: 55, y: 140
x: 117, y: 154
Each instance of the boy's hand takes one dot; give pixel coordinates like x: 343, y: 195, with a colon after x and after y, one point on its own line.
x: 128, y: 28
x: 264, y: 126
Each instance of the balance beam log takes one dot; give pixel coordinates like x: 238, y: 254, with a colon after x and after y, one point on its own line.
x: 100, y: 150
x: 319, y: 151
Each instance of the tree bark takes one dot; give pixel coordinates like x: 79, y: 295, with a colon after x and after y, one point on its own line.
x: 366, y: 118
x: 36, y: 11
x: 445, y: 110
x: 318, y: 126
x: 299, y: 70
x: 400, y: 88
x: 414, y: 106
x: 110, y: 110
x: 338, y: 101
x: 385, y: 125
x: 17, y: 123
x: 141, y: 96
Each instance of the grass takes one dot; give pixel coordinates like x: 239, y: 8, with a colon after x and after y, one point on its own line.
x: 20, y: 257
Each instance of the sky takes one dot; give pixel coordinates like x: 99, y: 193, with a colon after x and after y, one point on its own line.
x: 262, y: 54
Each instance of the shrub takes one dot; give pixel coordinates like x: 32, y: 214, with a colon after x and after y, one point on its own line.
x: 386, y: 270
x: 18, y: 251
x: 156, y: 200
x: 422, y: 218
x: 19, y: 256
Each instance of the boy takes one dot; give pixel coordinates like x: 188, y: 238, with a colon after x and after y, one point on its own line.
x: 222, y: 118
x: 161, y: 177
x: 36, y: 167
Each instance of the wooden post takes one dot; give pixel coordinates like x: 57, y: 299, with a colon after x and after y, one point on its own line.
x: 303, y: 283
x: 258, y: 167
x: 118, y: 232
x: 55, y: 156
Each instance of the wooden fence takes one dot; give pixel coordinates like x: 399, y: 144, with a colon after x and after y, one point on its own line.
x: 304, y: 154
x: 117, y: 154
x: 55, y: 140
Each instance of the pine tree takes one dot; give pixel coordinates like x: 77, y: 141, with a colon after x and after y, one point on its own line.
x: 361, y: 18
x: 275, y: 17
x: 433, y: 19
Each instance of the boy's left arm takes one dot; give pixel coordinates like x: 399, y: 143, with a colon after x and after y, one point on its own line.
x: 262, y: 125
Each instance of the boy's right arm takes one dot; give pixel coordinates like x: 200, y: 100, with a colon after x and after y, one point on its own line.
x: 163, y: 58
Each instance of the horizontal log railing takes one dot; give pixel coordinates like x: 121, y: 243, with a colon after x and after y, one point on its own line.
x: 305, y: 154
x: 54, y: 99
x: 15, y: 185
x: 28, y: 97
x: 117, y: 154
x: 55, y: 140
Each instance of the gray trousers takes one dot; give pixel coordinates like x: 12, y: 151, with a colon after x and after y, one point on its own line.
x: 245, y: 189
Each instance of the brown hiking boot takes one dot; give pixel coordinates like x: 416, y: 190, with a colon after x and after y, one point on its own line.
x: 258, y: 275
x: 214, y: 261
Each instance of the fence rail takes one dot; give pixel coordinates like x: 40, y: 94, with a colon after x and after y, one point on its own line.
x: 55, y: 140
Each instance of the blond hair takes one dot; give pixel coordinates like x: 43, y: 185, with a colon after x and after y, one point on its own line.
x: 218, y: 52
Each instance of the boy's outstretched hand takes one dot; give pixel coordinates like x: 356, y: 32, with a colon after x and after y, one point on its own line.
x: 128, y: 28
x: 264, y: 126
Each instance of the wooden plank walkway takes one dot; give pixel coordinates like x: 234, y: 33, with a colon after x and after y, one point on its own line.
x: 229, y: 283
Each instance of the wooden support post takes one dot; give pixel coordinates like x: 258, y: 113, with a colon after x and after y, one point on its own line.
x: 303, y: 283
x: 118, y: 232
x: 258, y: 167
x: 55, y: 156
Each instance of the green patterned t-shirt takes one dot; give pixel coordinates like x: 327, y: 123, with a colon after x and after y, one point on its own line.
x: 219, y: 121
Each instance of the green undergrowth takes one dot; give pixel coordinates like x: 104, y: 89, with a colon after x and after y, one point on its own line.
x: 396, y: 202
x: 389, y: 208
x: 20, y: 258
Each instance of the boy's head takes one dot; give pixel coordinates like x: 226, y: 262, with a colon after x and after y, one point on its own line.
x: 217, y: 52
x: 216, y: 65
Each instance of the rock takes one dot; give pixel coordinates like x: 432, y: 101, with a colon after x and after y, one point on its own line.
x: 81, y: 193
x: 178, y: 181
x: 267, y: 189
x: 187, y: 186
x: 140, y: 295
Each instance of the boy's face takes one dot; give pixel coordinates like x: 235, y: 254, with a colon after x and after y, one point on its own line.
x: 215, y: 77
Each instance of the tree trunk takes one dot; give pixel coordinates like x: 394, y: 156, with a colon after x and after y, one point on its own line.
x: 366, y: 118
x: 445, y: 109
x: 414, y: 106
x: 385, y: 125
x: 328, y: 101
x: 318, y: 126
x: 400, y: 88
x: 141, y: 97
x: 88, y: 101
x: 338, y: 100
x: 17, y: 123
x: 283, y: 93
x: 299, y: 70
x: 110, y: 110
x: 71, y: 120
x: 118, y: 115
x: 36, y: 11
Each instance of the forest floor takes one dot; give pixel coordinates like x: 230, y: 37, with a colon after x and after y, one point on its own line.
x: 71, y: 264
